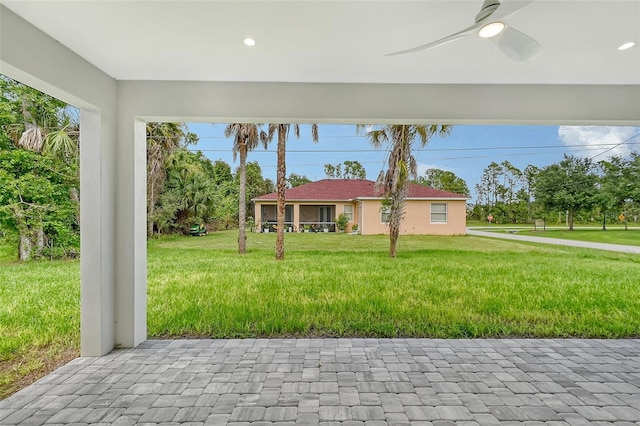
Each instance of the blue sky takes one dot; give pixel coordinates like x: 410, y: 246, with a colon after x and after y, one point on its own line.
x: 466, y: 152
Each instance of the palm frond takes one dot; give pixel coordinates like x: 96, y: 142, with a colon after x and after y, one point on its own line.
x: 60, y: 144
x: 32, y: 138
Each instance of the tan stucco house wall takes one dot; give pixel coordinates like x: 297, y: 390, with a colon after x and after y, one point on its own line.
x: 418, y: 218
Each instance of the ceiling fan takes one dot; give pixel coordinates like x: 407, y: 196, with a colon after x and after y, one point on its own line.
x: 491, y: 22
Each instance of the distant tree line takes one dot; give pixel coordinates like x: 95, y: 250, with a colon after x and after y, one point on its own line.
x: 574, y: 189
x: 351, y: 170
x: 193, y: 190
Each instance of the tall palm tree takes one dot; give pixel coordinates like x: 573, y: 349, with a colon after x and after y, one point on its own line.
x: 281, y: 177
x: 401, y: 168
x: 162, y: 140
x: 246, y: 137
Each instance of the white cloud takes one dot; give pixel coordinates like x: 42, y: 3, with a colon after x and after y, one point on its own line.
x: 597, y: 139
x: 422, y: 168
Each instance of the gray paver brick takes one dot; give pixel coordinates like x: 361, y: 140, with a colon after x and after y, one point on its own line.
x: 334, y: 413
x: 280, y: 414
x: 159, y: 415
x: 342, y: 381
x: 193, y: 414
x: 454, y: 413
x: 363, y: 413
x: 247, y: 414
x: 421, y: 413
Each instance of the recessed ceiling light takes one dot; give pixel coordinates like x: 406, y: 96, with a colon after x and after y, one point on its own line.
x: 627, y: 45
x: 248, y: 41
x: 491, y: 30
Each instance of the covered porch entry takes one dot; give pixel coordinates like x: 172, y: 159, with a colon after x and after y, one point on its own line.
x: 298, y: 217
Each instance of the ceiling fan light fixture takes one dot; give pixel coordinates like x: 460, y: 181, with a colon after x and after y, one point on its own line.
x: 248, y: 41
x: 491, y: 29
x: 627, y: 45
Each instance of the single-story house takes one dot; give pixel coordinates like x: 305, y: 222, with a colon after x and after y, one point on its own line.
x: 316, y: 206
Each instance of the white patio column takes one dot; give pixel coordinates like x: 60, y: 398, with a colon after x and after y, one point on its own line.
x: 96, y: 237
x: 70, y: 78
x: 131, y: 234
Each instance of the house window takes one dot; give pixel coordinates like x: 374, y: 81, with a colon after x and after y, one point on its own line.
x: 348, y: 211
x: 385, y: 211
x: 438, y: 212
x: 325, y: 214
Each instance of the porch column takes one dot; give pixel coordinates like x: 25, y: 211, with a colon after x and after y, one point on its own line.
x: 72, y: 79
x: 257, y: 215
x: 131, y: 233
x: 296, y: 217
x: 96, y: 241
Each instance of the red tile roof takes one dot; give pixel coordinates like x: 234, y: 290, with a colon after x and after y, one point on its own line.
x: 349, y: 189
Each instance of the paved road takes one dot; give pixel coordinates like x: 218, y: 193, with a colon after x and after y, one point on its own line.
x: 557, y: 241
x: 355, y: 382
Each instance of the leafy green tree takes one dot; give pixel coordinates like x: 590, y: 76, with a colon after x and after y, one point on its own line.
x: 221, y: 172
x: 33, y: 121
x: 489, y: 186
x: 330, y: 171
x: 35, y: 202
x: 162, y: 140
x: 569, y: 185
x: 189, y: 195
x: 401, y: 166
x: 38, y: 122
x: 246, y: 137
x: 444, y: 180
x: 296, y: 180
x: 354, y: 170
x: 529, y: 176
x: 282, y: 131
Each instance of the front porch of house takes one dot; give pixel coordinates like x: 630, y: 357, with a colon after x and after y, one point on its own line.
x: 297, y: 218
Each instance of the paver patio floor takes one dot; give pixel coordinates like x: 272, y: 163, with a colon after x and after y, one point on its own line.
x: 342, y: 381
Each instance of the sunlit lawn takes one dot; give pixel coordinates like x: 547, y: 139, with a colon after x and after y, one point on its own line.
x: 331, y: 285
x: 630, y: 237
x: 344, y: 285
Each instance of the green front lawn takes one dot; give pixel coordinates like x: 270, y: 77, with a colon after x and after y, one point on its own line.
x: 344, y: 285
x: 332, y: 285
x: 596, y: 235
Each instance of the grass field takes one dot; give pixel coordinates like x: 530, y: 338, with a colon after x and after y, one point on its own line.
x: 332, y: 285
x: 610, y: 236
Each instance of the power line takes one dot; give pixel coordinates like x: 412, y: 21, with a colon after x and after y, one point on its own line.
x: 493, y: 148
x: 469, y: 157
x: 614, y: 147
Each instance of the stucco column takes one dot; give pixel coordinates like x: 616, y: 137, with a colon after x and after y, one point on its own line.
x: 96, y: 241
x: 131, y: 234
x: 296, y: 217
x: 70, y: 78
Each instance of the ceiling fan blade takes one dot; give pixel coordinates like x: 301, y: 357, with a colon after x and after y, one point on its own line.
x: 442, y: 41
x: 508, y: 8
x: 517, y: 45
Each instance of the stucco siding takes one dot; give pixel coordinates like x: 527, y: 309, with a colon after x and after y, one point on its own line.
x: 417, y: 219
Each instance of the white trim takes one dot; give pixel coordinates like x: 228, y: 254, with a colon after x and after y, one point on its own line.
x: 420, y: 198
x: 295, y: 200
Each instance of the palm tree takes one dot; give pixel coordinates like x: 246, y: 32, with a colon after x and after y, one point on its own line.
x: 246, y: 137
x: 402, y: 166
x: 162, y: 139
x: 281, y: 177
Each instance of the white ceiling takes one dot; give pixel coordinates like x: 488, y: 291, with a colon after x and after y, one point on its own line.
x: 339, y: 41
